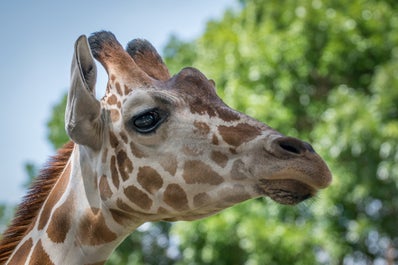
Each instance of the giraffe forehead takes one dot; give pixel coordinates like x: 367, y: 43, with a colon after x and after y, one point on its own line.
x: 139, y: 99
x: 189, y: 87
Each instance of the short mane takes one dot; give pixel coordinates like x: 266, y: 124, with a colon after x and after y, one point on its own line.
x: 33, y: 201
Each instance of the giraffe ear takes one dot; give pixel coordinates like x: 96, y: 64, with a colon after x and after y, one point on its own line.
x: 82, y: 115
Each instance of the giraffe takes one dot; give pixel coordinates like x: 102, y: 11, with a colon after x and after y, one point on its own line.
x: 154, y: 148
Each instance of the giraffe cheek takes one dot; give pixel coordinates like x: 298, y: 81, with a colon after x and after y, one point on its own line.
x: 136, y: 151
x: 237, y: 194
x: 239, y: 171
x: 169, y: 163
x: 138, y: 197
x: 149, y: 179
x: 201, y: 199
x: 197, y: 172
x: 176, y: 197
x: 219, y: 158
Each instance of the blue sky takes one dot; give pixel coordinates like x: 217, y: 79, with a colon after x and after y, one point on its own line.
x: 36, y: 47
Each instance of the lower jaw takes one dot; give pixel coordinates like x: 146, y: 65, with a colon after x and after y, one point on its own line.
x: 286, y: 191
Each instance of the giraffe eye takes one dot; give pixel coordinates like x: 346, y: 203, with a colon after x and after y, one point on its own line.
x: 148, y: 121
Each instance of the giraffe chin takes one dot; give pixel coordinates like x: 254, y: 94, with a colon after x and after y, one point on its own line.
x: 286, y: 191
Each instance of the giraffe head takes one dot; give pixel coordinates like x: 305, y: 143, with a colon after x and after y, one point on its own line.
x: 168, y: 148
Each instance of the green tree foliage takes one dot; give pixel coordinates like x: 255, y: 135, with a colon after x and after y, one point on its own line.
x: 56, y: 124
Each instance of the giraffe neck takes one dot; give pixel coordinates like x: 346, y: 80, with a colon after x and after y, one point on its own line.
x: 71, y: 227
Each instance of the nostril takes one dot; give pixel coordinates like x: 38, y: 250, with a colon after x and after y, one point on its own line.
x: 294, y: 146
x: 289, y: 147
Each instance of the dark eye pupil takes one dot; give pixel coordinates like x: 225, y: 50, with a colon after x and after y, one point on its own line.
x: 147, y: 120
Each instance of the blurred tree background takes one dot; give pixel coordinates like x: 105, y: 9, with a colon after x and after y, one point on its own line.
x: 322, y: 70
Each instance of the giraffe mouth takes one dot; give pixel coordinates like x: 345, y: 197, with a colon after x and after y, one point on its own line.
x: 286, y: 191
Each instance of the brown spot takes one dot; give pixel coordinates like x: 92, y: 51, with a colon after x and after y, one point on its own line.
x: 138, y: 197
x: 22, y: 253
x: 93, y: 229
x: 197, y: 172
x: 118, y: 88
x: 136, y: 151
x: 39, y: 256
x: 214, y: 140
x: 228, y: 114
x: 200, y: 107
x: 54, y: 197
x: 201, y: 199
x: 60, y: 221
x: 123, y: 206
x: 124, y: 137
x: 238, y: 170
x: 124, y: 164
x: 115, y: 115
x: 176, y: 197
x: 149, y: 179
x: 201, y: 128
x: 210, y: 111
x: 169, y: 163
x: 104, y: 155
x: 112, y: 100
x: 119, y: 104
x: 113, y: 78
x: 113, y: 140
x: 105, y: 190
x: 114, y: 173
x: 236, y: 135
x: 219, y: 158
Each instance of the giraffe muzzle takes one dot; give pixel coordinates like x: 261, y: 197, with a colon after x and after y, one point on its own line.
x: 294, y: 172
